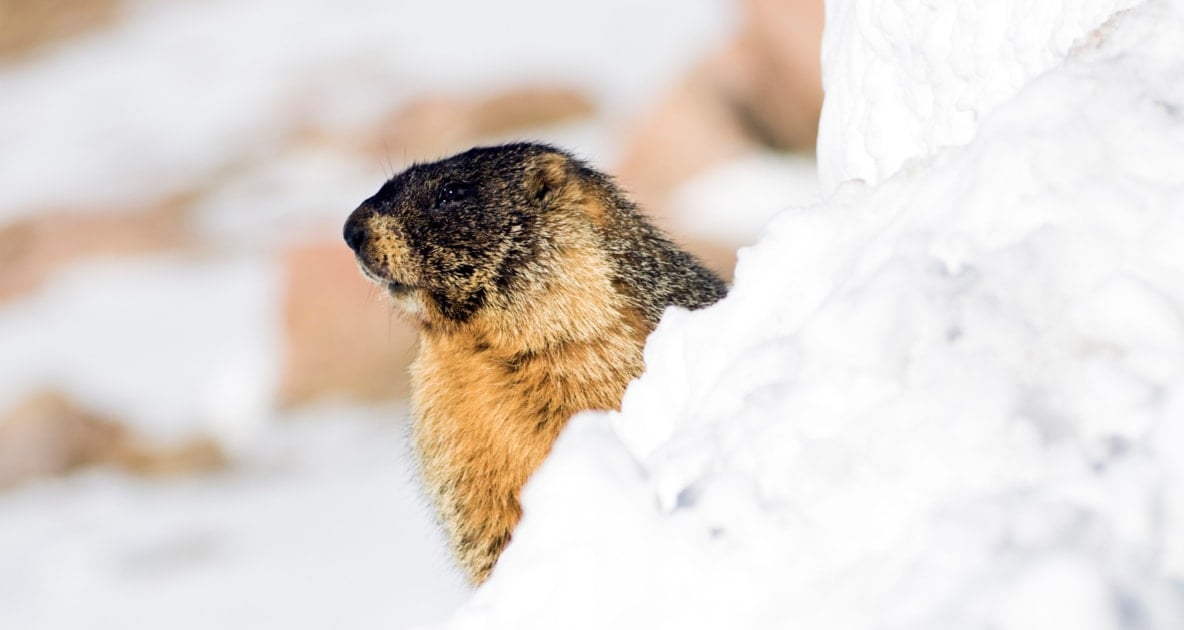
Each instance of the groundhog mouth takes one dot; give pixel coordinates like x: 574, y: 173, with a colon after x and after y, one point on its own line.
x: 395, y: 287
x: 398, y: 288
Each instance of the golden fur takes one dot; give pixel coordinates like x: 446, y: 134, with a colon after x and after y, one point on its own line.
x: 527, y: 318
x: 491, y: 395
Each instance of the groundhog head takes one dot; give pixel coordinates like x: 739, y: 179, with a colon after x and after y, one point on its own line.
x: 452, y: 237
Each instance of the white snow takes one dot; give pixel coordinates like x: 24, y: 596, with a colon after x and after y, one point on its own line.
x: 173, y: 346
x: 324, y: 528
x: 905, y: 79
x: 949, y: 396
x: 733, y: 202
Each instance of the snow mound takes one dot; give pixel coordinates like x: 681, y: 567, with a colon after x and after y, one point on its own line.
x: 904, y: 80
x: 951, y: 400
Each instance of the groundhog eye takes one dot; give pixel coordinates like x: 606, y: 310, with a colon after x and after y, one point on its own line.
x: 455, y: 191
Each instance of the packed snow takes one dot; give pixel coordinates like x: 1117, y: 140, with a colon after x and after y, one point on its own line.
x: 905, y: 79
x: 950, y: 395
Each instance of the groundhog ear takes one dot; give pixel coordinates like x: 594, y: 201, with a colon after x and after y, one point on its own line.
x: 546, y: 175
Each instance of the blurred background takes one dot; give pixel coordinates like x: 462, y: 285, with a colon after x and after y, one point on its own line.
x: 202, y: 402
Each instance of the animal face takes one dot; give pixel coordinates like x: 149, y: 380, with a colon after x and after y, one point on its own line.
x: 449, y: 238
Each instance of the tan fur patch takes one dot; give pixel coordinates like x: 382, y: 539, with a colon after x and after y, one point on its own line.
x: 538, y: 285
x: 387, y: 252
x: 492, y: 397
x: 568, y: 192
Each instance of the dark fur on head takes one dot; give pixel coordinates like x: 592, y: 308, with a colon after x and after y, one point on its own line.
x: 470, y: 231
x: 535, y: 283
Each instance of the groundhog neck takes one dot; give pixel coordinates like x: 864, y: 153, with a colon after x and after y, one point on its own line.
x: 488, y: 411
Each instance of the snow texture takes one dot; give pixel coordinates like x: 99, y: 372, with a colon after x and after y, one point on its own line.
x: 952, y: 399
x: 906, y: 78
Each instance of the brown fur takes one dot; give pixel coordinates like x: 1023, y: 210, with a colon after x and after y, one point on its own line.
x: 534, y: 288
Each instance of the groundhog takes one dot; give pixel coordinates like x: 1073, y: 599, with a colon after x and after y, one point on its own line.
x: 534, y: 282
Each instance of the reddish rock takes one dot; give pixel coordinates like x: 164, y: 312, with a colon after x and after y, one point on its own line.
x: 689, y: 130
x: 773, y: 74
x: 435, y: 126
x: 764, y: 89
x: 26, y: 25
x: 35, y: 247
x: 342, y: 338
x: 48, y: 435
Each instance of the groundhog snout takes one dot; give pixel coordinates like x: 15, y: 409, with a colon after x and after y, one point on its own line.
x: 355, y: 232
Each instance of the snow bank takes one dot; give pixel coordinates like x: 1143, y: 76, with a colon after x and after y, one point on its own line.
x: 951, y: 400
x: 904, y: 79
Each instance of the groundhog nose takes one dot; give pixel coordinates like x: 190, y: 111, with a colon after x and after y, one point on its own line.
x: 354, y: 234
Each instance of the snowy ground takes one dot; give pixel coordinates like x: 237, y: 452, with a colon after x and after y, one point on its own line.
x: 323, y: 527
x: 948, y: 396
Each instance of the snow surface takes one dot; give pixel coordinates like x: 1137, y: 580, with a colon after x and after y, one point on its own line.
x: 323, y: 528
x: 952, y: 399
x: 904, y: 79
x: 171, y: 346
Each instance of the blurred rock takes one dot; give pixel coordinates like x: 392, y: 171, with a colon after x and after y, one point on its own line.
x: 34, y: 247
x: 48, y: 434
x: 342, y: 337
x: 773, y: 73
x: 691, y: 129
x: 435, y: 126
x: 26, y: 25
x: 762, y: 91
